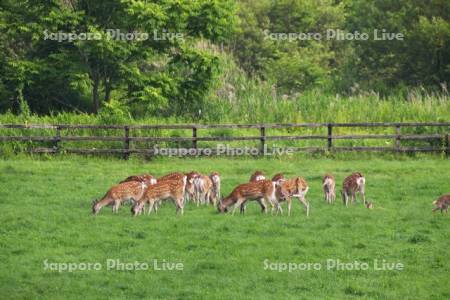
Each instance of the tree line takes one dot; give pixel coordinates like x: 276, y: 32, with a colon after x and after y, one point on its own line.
x: 85, y: 55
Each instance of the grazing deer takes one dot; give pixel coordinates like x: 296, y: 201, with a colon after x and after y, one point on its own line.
x: 257, y: 190
x: 278, y: 178
x: 328, y: 185
x: 163, y: 190
x: 442, y: 203
x: 127, y: 191
x: 215, y: 191
x: 353, y: 184
x: 295, y: 187
x: 203, y: 186
x: 145, y: 178
x: 258, y: 175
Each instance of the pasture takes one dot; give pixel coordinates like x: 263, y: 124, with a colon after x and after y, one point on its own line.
x: 46, y: 215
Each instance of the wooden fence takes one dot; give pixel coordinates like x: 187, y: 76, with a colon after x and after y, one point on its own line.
x: 125, y: 135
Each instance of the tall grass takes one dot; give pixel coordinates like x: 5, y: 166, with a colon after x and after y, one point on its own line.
x: 239, y: 99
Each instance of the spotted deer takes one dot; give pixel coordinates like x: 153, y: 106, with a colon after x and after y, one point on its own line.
x: 261, y: 191
x: 116, y: 195
x: 145, y: 178
x: 277, y: 179
x: 163, y: 190
x: 215, y: 191
x: 329, y: 188
x: 258, y: 175
x: 295, y: 187
x: 203, y: 186
x: 191, y: 191
x: 442, y: 203
x: 355, y: 183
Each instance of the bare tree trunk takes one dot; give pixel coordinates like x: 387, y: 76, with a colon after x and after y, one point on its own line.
x: 95, y: 98
x: 107, y: 89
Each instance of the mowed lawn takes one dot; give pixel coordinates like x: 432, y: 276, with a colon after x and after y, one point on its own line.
x: 46, y: 215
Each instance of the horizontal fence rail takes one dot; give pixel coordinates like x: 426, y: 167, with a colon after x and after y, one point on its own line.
x: 437, y: 142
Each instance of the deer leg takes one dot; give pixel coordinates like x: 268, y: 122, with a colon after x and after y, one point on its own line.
x: 243, y: 207
x: 262, y: 204
x: 277, y: 205
x: 345, y: 197
x: 179, y: 206
x: 116, y: 206
x: 305, y: 203
x: 150, y: 206
x: 289, y: 202
x: 239, y: 202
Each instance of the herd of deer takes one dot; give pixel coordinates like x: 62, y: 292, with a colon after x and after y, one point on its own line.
x: 142, y: 190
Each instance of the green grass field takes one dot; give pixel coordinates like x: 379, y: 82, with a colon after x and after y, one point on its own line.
x: 46, y: 215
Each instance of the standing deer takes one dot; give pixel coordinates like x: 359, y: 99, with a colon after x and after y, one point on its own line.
x: 203, y: 186
x: 295, y: 187
x: 258, y: 175
x: 257, y: 190
x: 442, y: 203
x: 355, y: 183
x: 215, y: 191
x: 127, y: 191
x: 163, y: 190
x: 328, y: 185
x: 191, y: 190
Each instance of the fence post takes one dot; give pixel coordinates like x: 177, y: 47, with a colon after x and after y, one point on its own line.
x: 447, y: 150
x: 262, y: 138
x: 330, y: 137
x: 194, y: 137
x: 57, y: 139
x: 397, y: 137
x: 126, y: 145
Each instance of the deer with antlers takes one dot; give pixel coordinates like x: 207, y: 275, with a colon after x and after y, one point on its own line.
x: 163, y: 190
x: 116, y: 195
x: 354, y: 183
x: 329, y: 188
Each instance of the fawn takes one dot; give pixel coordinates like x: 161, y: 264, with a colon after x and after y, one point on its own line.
x: 127, y: 191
